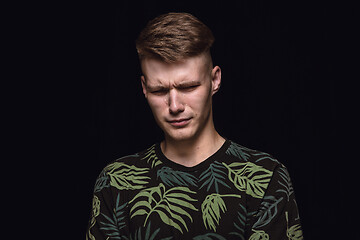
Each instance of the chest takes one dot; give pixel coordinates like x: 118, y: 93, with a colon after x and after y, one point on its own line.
x: 184, y: 205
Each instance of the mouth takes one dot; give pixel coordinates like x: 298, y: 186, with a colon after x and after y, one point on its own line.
x: 182, y: 122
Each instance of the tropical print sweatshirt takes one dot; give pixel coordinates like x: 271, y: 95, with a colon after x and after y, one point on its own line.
x: 237, y: 193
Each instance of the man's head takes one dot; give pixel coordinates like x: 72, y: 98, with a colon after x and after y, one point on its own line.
x: 178, y: 77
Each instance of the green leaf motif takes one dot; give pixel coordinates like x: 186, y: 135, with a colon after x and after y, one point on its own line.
x: 148, y: 235
x: 238, y: 151
x: 259, y: 235
x: 249, y: 177
x: 211, y: 207
x: 101, y: 182
x: 240, y: 223
x: 115, y: 222
x: 125, y: 177
x: 261, y: 156
x: 179, y: 178
x: 95, y: 212
x: 209, y: 236
x: 268, y: 210
x: 170, y: 205
x: 151, y: 157
x: 285, y: 183
x: 294, y: 232
x: 95, y: 209
x: 214, y: 175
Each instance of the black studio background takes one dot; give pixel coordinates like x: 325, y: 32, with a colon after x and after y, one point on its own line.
x: 279, y: 94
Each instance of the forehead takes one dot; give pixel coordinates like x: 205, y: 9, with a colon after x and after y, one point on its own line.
x: 158, y: 72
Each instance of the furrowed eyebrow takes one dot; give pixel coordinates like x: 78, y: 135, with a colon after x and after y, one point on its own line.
x: 155, y: 87
x: 188, y: 83
x: 184, y: 84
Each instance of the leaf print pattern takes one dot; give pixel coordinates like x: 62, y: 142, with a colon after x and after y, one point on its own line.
x: 168, y: 204
x: 240, y: 223
x: 238, y: 151
x: 268, y: 210
x: 125, y: 177
x: 214, y: 175
x: 209, y: 236
x: 171, y: 177
x: 263, y: 157
x: 95, y: 212
x: 294, y: 232
x: 101, y: 182
x: 151, y: 157
x: 249, y: 177
x: 95, y: 209
x: 237, y: 194
x: 259, y: 235
x: 211, y: 209
x: 148, y: 235
x: 286, y: 183
x: 114, y: 223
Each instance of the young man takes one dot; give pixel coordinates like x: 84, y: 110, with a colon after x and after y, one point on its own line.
x: 195, y: 184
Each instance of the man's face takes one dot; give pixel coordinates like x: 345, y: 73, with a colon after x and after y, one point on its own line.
x: 180, y: 95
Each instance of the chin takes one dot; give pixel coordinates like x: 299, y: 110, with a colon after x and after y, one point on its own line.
x: 180, y: 134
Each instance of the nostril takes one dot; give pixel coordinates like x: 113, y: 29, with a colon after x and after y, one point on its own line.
x: 176, y: 108
x: 175, y: 104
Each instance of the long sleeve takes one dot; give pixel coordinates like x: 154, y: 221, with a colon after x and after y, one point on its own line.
x: 277, y: 215
x: 109, y: 216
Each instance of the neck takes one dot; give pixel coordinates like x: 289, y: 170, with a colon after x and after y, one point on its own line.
x: 193, y: 151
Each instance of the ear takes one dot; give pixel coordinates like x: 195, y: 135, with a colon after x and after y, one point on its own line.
x: 215, y: 79
x: 143, y: 85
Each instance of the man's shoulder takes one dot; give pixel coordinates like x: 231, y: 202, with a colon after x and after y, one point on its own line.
x: 126, y: 173
x: 136, y: 160
x: 255, y: 157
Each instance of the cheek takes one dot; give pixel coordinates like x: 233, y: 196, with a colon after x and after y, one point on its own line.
x: 157, y: 105
x: 201, y: 102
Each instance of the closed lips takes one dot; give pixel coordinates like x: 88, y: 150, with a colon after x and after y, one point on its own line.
x: 179, y: 120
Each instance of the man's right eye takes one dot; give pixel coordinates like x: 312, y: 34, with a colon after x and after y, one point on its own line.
x: 159, y: 92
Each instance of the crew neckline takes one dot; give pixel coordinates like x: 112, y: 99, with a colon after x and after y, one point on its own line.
x: 204, y: 164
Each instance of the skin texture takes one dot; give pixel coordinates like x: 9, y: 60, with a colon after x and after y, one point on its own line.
x: 180, y: 97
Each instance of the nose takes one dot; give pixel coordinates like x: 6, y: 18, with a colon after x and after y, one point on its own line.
x: 175, y: 102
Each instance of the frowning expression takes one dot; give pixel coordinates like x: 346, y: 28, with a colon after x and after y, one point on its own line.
x: 180, y: 95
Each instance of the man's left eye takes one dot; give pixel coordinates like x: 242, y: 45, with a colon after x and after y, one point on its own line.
x: 160, y: 91
x: 190, y: 87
